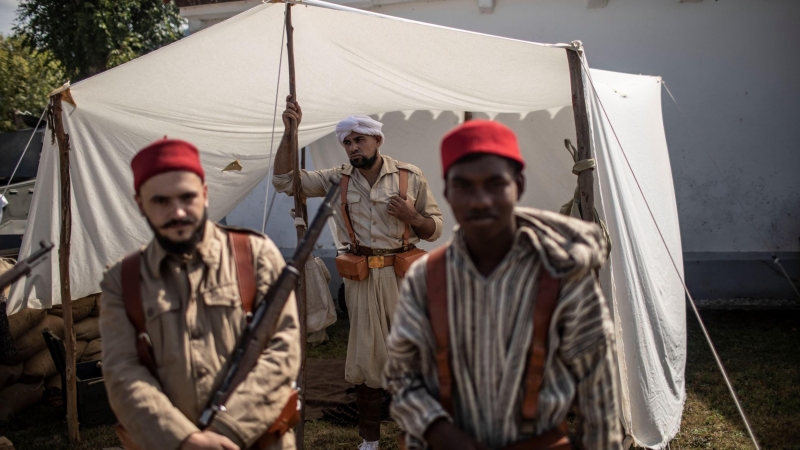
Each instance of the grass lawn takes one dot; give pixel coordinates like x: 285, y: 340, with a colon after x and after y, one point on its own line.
x: 761, y: 350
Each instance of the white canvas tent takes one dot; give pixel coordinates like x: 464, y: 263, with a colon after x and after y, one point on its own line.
x: 217, y: 89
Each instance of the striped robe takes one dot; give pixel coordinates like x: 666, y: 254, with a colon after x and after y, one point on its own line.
x: 490, y: 332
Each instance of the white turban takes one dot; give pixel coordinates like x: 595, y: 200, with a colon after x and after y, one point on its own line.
x: 359, y: 124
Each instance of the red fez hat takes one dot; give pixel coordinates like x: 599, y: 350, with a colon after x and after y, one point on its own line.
x: 479, y: 136
x: 165, y: 155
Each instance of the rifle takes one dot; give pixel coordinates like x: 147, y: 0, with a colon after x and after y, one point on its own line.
x: 24, y: 267
x: 265, y: 318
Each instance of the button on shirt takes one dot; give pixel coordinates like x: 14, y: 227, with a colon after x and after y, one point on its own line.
x: 372, y: 223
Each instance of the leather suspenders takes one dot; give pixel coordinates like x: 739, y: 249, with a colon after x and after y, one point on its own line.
x: 348, y: 222
x: 546, y: 301
x: 132, y: 293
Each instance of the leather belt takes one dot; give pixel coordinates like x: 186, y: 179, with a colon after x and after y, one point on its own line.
x: 367, y: 251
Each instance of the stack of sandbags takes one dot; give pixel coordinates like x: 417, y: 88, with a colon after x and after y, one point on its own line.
x: 23, y: 377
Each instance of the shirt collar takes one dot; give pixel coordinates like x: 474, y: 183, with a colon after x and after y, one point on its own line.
x: 208, y: 250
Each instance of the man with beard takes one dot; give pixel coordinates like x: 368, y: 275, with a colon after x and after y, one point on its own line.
x: 173, y: 312
x: 502, y: 331
x: 380, y: 226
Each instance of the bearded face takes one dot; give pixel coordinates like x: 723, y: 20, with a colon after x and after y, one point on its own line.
x: 175, y: 206
x: 362, y: 149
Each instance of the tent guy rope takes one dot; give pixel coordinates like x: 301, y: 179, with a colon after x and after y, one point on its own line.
x: 775, y: 259
x: 675, y: 266
x: 272, y: 135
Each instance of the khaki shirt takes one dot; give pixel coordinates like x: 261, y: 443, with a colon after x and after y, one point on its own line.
x: 373, y: 225
x: 194, y: 317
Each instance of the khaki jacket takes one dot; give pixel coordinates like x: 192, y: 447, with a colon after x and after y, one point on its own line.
x: 194, y: 318
x: 373, y: 225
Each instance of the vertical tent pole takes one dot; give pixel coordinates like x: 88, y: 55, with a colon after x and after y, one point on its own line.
x: 299, y: 224
x: 63, y: 262
x: 586, y: 178
x: 467, y: 116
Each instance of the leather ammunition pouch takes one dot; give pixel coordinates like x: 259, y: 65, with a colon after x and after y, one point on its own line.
x: 355, y: 264
x: 353, y: 267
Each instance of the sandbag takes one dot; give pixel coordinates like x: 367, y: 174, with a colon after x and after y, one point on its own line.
x: 53, y: 382
x: 87, y: 329
x: 5, y: 264
x: 93, y: 351
x: 38, y: 367
x: 81, y: 308
x: 10, y: 374
x: 96, y: 310
x: 18, y: 397
x: 24, y: 320
x: 41, y: 365
x: 33, y: 342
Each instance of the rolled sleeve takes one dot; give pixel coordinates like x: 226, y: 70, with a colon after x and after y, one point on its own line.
x: 426, y: 205
x: 414, y: 398
x: 248, y: 415
x: 314, y: 183
x: 134, y: 393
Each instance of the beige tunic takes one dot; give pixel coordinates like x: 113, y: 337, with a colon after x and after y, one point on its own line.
x: 370, y: 302
x: 194, y: 317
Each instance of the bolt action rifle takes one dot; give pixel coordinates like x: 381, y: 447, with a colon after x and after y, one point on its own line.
x: 265, y: 317
x: 25, y: 266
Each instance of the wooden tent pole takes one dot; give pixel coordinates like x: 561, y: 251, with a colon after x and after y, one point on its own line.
x: 63, y: 262
x: 300, y: 292
x: 585, y: 178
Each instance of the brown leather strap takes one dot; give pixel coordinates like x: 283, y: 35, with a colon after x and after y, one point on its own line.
x: 245, y: 272
x: 368, y: 251
x: 403, y: 193
x: 440, y: 322
x: 346, y: 212
x: 132, y: 297
x: 546, y: 301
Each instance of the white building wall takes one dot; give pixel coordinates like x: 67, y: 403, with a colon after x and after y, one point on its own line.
x: 730, y: 65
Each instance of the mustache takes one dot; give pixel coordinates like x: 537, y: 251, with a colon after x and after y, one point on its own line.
x: 178, y: 222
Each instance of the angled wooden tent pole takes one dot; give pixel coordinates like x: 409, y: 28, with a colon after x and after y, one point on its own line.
x: 582, y: 131
x: 62, y: 138
x: 300, y: 224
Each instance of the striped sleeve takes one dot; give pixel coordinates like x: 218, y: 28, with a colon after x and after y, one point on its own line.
x: 587, y: 349
x: 409, y: 345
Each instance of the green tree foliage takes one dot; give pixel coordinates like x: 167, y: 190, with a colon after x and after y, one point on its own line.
x: 28, y: 76
x: 90, y: 36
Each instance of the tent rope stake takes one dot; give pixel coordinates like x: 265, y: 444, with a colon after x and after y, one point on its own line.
x: 56, y: 124
x: 775, y: 259
x: 677, y: 272
x: 299, y: 222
